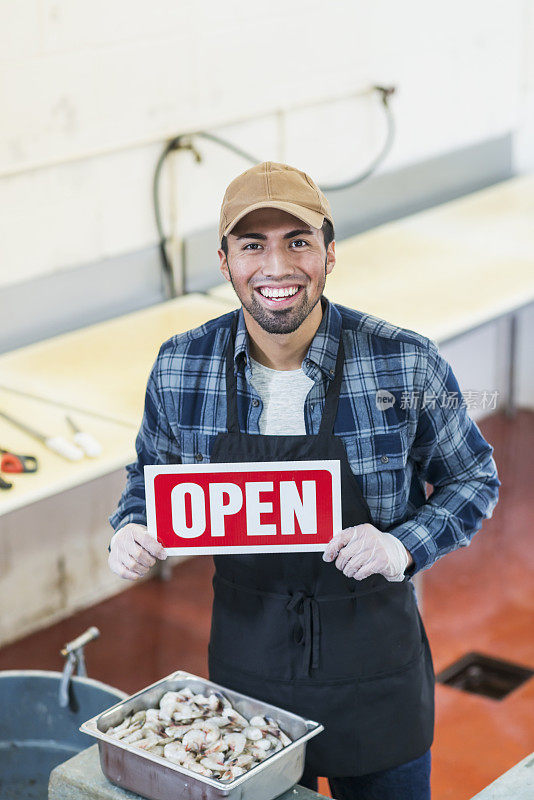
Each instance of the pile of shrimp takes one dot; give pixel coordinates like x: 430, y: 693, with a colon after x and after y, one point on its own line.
x: 203, y: 734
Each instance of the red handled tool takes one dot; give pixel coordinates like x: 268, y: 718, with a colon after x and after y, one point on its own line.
x: 11, y: 462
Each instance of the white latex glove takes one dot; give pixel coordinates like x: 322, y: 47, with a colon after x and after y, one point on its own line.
x: 133, y: 552
x: 364, y: 550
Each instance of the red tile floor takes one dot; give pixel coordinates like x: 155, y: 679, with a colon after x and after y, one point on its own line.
x: 480, y: 598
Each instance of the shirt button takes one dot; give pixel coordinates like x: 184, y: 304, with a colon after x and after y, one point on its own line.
x: 312, y: 406
x: 255, y: 403
x: 384, y: 459
x: 198, y: 456
x: 331, y: 372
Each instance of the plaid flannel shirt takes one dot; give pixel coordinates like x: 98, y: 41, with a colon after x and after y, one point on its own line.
x: 415, y: 430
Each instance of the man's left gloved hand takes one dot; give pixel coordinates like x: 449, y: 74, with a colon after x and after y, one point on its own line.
x: 364, y: 550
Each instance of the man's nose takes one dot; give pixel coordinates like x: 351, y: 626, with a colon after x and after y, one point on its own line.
x: 275, y: 263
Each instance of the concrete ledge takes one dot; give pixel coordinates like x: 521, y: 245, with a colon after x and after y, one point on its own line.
x: 516, y: 784
x: 80, y: 778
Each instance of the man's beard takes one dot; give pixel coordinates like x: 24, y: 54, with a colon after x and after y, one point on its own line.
x: 285, y: 320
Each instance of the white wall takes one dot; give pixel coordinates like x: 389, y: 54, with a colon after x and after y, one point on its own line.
x: 90, y: 89
x: 524, y: 140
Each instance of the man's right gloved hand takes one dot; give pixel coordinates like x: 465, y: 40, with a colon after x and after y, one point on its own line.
x: 133, y: 551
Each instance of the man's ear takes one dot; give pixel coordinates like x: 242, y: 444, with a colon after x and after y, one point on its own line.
x: 330, y: 257
x: 223, y: 264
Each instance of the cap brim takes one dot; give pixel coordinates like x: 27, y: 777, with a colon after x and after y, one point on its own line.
x: 313, y: 218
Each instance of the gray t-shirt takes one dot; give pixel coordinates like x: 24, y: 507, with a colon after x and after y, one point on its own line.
x: 282, y: 393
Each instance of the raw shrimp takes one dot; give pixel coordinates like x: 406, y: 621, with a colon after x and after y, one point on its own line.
x: 202, y: 733
x: 253, y: 733
x: 233, y: 772
x: 194, y: 740
x: 175, y: 753
x: 236, y: 742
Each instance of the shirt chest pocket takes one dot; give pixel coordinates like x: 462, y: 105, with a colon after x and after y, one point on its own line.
x: 195, y: 447
x: 379, y: 462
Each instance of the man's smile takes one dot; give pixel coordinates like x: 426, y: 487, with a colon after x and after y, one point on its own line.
x: 278, y: 295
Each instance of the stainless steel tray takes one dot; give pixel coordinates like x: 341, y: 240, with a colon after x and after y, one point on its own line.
x: 159, y: 779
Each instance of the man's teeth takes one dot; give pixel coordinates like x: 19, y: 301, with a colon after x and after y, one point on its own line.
x: 267, y: 291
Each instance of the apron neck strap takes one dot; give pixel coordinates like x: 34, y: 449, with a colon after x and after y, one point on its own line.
x: 232, y: 421
x: 332, y: 394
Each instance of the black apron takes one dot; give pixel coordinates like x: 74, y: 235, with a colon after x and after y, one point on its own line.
x: 292, y: 630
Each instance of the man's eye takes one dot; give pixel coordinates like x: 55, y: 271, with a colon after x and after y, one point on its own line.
x: 251, y: 246
x: 299, y: 242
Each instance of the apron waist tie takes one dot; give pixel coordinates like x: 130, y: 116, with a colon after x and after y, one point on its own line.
x: 322, y: 598
x: 307, y: 606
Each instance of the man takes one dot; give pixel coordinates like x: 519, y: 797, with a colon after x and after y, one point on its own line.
x: 338, y: 637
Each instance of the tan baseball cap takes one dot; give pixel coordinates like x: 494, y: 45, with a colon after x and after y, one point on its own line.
x: 272, y: 185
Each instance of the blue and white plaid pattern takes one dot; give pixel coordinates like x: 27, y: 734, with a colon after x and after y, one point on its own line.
x: 393, y: 448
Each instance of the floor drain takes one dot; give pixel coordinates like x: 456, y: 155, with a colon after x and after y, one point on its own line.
x: 484, y: 675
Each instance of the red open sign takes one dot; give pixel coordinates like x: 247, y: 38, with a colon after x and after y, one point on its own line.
x: 259, y: 507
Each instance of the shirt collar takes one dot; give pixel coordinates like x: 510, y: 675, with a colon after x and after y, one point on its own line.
x: 322, y: 351
x: 241, y: 340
